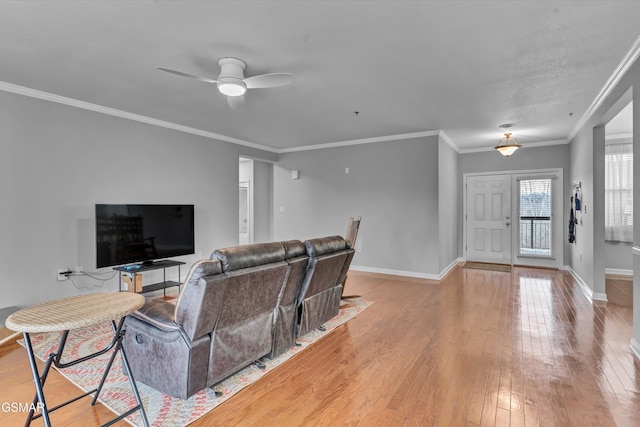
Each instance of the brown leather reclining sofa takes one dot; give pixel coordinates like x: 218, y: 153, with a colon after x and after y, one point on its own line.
x: 244, y: 303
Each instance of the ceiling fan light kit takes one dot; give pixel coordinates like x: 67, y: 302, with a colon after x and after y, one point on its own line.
x: 232, y: 83
x: 231, y: 74
x: 231, y: 87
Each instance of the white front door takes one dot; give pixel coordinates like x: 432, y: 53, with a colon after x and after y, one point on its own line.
x: 488, y: 218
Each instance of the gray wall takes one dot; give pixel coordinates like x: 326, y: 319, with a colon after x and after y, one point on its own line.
x: 393, y: 185
x: 617, y: 255
x: 527, y: 158
x: 449, y: 185
x: 587, y: 255
x: 58, y: 161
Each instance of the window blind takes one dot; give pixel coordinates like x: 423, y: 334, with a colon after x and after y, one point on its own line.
x: 618, y: 192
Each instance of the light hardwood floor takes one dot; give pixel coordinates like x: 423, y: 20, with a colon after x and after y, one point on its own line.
x: 480, y: 348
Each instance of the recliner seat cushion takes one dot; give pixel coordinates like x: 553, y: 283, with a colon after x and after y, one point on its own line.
x: 159, y: 313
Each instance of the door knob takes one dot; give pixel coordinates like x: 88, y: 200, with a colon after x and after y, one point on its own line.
x: 508, y: 223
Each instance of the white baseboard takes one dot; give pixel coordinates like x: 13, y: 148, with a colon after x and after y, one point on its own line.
x: 450, y: 267
x: 599, y: 296
x: 635, y: 348
x: 618, y: 271
x: 394, y: 272
x: 404, y: 273
x: 586, y: 290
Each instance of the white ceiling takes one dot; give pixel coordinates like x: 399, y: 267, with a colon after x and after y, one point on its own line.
x: 406, y: 66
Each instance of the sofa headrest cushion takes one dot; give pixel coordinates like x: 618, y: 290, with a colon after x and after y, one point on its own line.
x: 202, y: 268
x: 325, y: 245
x: 293, y: 248
x: 245, y: 256
x: 199, y: 269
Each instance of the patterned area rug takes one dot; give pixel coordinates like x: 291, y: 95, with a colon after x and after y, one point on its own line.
x: 163, y: 410
x: 485, y: 266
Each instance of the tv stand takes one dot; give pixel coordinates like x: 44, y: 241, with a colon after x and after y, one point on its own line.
x: 136, y: 269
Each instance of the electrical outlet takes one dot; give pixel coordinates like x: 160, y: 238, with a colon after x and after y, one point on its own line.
x: 62, y: 273
x: 359, y: 246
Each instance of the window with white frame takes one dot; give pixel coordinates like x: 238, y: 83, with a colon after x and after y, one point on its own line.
x: 536, y: 214
x: 618, y: 192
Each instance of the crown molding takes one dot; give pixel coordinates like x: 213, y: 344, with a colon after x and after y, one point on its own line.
x: 46, y: 96
x: 33, y: 93
x: 449, y: 141
x: 361, y: 141
x: 614, y: 79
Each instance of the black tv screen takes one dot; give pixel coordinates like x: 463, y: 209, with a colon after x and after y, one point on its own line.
x: 142, y: 233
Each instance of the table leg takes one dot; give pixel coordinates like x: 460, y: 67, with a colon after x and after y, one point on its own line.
x: 125, y: 363
x: 55, y: 358
x: 38, y: 383
x: 119, y: 333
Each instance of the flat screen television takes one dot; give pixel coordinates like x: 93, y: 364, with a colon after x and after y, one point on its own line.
x: 142, y: 233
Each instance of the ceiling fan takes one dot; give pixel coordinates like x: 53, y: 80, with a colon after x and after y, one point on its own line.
x: 232, y: 83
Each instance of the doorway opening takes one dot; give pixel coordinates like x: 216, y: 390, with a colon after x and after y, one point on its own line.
x: 245, y: 201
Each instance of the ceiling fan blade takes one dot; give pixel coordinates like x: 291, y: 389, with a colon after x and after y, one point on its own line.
x: 180, y: 73
x: 268, y: 80
x: 235, y: 101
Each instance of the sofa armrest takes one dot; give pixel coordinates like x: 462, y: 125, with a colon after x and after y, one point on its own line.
x: 158, y: 313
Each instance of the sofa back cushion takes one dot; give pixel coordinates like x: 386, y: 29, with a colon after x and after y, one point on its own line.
x: 294, y: 248
x: 325, y: 245
x: 245, y: 256
x: 255, y: 276
x: 327, y: 256
x: 199, y: 301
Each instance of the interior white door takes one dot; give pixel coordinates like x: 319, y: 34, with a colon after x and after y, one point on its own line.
x: 488, y: 218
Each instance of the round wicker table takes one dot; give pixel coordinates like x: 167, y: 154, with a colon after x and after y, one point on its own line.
x: 70, y: 313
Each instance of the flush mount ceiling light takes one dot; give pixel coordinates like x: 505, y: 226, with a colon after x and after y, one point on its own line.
x: 509, y: 146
